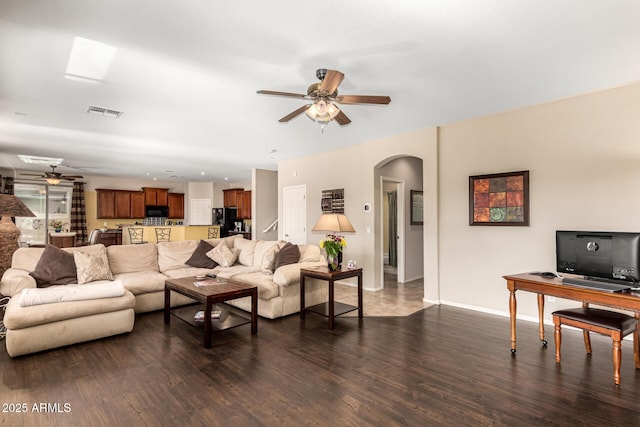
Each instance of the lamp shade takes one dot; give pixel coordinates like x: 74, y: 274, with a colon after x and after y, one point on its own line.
x: 11, y: 205
x: 335, y: 222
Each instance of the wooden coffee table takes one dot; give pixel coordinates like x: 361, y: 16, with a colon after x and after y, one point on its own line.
x: 210, y: 292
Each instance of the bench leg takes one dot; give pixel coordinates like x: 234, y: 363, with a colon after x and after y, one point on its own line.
x: 557, y: 335
x: 617, y: 357
x: 587, y: 341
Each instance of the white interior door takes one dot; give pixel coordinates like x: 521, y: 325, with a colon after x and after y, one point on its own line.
x: 294, y: 214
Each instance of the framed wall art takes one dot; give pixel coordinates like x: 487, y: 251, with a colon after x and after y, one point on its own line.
x: 499, y: 199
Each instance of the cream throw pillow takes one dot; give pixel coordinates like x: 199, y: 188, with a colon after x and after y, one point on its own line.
x: 224, y: 256
x: 91, y: 268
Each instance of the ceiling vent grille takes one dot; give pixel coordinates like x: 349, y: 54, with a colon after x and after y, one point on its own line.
x: 104, y: 112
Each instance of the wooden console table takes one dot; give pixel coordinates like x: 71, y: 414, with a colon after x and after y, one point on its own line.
x: 330, y: 309
x: 554, y: 287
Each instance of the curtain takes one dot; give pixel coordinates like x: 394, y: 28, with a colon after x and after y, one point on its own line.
x: 393, y: 228
x: 78, y: 213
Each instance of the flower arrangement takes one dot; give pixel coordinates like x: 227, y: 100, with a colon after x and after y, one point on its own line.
x: 56, y: 224
x: 333, y: 246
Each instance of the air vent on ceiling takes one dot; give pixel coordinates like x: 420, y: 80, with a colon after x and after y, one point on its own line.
x: 104, y: 112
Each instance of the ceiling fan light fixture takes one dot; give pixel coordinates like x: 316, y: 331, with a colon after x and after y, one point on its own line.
x: 322, y: 111
x: 53, y: 181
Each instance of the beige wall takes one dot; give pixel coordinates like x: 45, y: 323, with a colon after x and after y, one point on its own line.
x: 264, y: 203
x: 583, y: 155
x: 355, y: 169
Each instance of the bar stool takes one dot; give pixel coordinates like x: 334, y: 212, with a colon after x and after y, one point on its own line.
x: 136, y: 235
x: 163, y: 234
x: 611, y: 323
x: 214, y: 233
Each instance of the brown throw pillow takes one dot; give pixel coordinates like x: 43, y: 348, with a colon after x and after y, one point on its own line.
x: 55, y: 267
x: 289, y: 254
x: 199, y: 257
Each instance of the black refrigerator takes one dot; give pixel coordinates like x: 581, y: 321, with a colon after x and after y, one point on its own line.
x: 225, y: 218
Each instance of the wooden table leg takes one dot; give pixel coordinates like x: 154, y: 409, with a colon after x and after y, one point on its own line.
x: 167, y: 305
x: 331, y: 304
x: 617, y: 358
x: 360, y: 307
x: 512, y: 316
x: 207, y: 324
x: 254, y: 312
x: 636, y: 341
x: 541, y: 319
x: 302, y: 279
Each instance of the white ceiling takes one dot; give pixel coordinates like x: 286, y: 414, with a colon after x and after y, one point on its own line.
x: 186, y: 72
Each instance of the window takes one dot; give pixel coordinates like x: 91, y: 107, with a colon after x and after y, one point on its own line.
x: 47, y: 203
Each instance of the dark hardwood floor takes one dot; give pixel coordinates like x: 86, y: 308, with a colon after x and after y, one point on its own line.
x: 441, y: 366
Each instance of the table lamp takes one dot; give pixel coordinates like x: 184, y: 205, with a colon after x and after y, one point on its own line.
x: 334, y: 223
x: 10, y: 206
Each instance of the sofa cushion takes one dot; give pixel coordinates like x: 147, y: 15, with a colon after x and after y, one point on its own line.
x: 288, y: 254
x: 309, y: 253
x: 132, y: 258
x: 17, y: 317
x: 265, y: 254
x: 26, y: 258
x: 55, y: 267
x: 175, y: 254
x: 91, y: 268
x: 266, y: 288
x: 142, y: 282
x: 223, y: 255
x: 199, y: 257
x: 247, y: 251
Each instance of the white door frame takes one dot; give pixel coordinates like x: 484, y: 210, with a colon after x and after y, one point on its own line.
x: 401, y: 227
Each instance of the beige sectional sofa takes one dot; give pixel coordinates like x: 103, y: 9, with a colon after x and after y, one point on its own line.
x: 142, y: 270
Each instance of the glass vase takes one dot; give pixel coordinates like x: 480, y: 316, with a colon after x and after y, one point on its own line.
x: 332, y: 261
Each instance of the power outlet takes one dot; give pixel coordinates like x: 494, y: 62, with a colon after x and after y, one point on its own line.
x: 551, y: 299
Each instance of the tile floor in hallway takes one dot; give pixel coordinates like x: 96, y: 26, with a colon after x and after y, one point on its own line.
x: 396, y: 299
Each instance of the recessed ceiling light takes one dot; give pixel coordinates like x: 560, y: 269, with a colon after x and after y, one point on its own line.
x: 201, y: 173
x: 39, y: 160
x: 226, y: 178
x: 89, y: 59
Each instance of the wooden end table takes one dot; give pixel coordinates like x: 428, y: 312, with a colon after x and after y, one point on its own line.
x: 210, y: 292
x: 330, y: 309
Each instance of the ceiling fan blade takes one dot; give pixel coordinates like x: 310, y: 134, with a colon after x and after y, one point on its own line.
x: 331, y: 81
x: 289, y: 94
x: 362, y: 99
x: 67, y: 178
x: 342, y: 119
x: 32, y: 174
x: 71, y: 176
x: 294, y: 114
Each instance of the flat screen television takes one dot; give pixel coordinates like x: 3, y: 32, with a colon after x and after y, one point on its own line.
x: 598, y: 255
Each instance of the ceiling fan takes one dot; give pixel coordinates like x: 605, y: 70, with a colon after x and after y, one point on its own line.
x: 54, y: 177
x: 324, y: 97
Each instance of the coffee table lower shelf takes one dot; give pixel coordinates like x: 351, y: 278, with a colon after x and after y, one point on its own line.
x: 338, y: 310
x: 232, y: 320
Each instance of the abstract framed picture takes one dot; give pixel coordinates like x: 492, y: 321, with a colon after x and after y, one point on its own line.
x: 499, y: 199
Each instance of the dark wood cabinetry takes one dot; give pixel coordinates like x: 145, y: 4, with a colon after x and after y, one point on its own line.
x: 137, y: 204
x: 156, y: 196
x: 119, y: 204
x: 111, y: 237
x: 238, y: 198
x: 176, y: 205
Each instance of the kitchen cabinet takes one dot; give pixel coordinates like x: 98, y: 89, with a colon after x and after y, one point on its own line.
x: 106, y: 201
x: 110, y: 237
x: 156, y: 196
x: 137, y: 204
x: 238, y: 198
x: 244, y: 205
x: 119, y: 204
x: 231, y: 197
x: 176, y: 205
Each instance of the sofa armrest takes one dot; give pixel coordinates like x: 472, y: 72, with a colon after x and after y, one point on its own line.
x: 290, y: 273
x: 14, y: 280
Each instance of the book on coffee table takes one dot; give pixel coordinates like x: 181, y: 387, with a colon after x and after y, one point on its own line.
x: 199, y: 316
